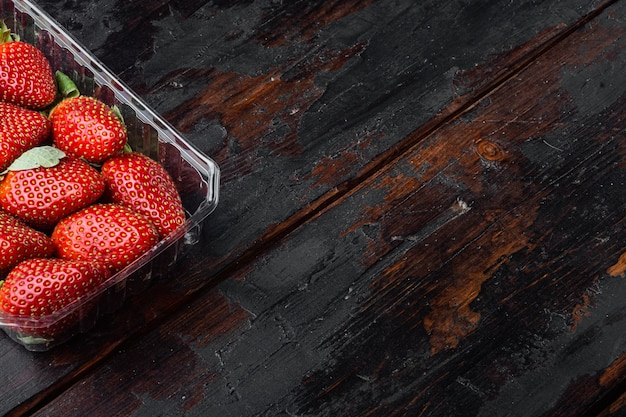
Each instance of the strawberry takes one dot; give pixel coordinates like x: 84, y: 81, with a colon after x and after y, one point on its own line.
x: 139, y: 182
x: 19, y: 242
x: 42, y: 196
x: 113, y: 234
x: 20, y: 129
x: 38, y: 288
x: 26, y: 77
x: 86, y: 127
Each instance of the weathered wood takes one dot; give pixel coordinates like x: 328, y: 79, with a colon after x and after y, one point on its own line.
x: 326, y: 124
x: 481, y: 273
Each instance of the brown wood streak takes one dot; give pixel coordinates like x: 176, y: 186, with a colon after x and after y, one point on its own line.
x: 616, y: 408
x: 576, y: 397
x: 452, y: 318
x: 619, y: 268
x: 614, y: 373
x: 339, y: 165
x: 249, y: 106
x: 614, y: 376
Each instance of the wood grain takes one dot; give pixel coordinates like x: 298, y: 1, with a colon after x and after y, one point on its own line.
x: 478, y: 272
x: 43, y: 376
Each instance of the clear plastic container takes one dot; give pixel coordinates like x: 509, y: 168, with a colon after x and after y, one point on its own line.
x: 196, y: 175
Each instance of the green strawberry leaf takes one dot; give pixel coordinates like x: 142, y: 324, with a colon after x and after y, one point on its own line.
x: 33, y: 340
x: 40, y: 156
x: 66, y: 86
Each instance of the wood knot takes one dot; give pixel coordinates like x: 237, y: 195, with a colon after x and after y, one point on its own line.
x: 489, y: 150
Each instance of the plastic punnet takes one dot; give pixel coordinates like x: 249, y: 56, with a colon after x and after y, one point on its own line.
x: 196, y: 176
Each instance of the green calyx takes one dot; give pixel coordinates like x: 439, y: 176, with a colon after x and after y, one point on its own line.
x: 40, y: 156
x: 127, y: 148
x: 34, y: 340
x: 6, y: 35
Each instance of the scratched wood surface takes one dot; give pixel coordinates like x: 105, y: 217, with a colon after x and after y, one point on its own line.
x: 421, y: 213
x: 479, y: 274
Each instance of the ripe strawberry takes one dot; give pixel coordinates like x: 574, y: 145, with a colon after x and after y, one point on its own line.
x: 19, y: 242
x: 113, y: 234
x: 85, y: 127
x: 43, y: 196
x: 26, y: 78
x: 38, y: 288
x: 139, y: 182
x: 20, y: 129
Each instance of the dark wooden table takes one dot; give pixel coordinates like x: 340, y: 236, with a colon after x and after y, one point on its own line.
x: 422, y: 213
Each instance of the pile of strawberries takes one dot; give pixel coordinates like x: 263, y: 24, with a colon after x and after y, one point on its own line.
x: 76, y: 205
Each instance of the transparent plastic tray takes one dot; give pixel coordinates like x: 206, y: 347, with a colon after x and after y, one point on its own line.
x: 196, y: 175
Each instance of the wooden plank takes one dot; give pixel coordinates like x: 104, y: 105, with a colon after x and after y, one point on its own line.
x: 479, y: 274
x: 33, y: 378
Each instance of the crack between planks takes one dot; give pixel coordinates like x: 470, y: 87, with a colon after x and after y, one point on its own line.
x: 315, y: 209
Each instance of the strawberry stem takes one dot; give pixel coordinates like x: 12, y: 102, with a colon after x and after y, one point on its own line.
x: 66, y: 86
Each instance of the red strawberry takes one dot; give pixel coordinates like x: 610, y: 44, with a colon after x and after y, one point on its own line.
x: 43, y: 196
x: 38, y: 288
x: 85, y: 127
x: 19, y: 242
x: 20, y: 129
x: 114, y: 234
x: 26, y: 78
x: 139, y: 182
